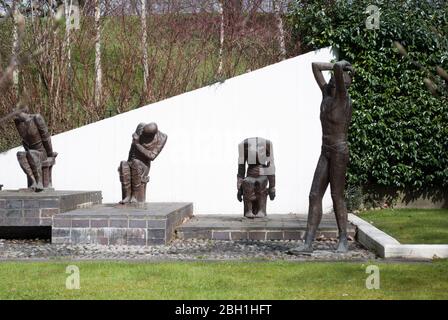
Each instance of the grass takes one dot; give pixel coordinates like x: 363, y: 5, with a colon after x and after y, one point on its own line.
x: 412, y: 226
x: 226, y: 280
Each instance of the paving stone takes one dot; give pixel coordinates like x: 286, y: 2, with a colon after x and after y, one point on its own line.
x: 49, y: 212
x: 80, y: 223
x: 221, y: 235
x: 49, y: 203
x: 60, y: 232
x: 237, y: 235
x: 99, y: 223
x: 31, y: 213
x: 121, y: 223
x: 31, y: 204
x: 137, y: 223
x: 257, y: 235
x: 293, y: 235
x: 58, y: 222
x: 274, y: 235
x: 14, y: 204
x: 156, y: 233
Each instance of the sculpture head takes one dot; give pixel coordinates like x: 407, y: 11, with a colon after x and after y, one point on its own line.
x: 150, y: 130
x: 22, y: 114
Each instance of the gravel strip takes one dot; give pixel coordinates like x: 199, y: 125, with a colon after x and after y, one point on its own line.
x: 180, y: 250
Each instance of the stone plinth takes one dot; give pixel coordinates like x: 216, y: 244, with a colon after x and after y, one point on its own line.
x: 273, y: 227
x: 23, y: 208
x: 113, y: 224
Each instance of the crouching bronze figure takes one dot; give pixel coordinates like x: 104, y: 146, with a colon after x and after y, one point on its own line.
x: 147, y: 143
x: 259, y: 182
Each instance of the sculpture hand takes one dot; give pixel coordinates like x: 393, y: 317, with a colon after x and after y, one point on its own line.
x: 239, y: 196
x: 272, y: 193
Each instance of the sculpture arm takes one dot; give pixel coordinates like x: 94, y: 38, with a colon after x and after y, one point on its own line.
x: 318, y: 67
x: 44, y: 134
x: 339, y: 68
x: 154, y: 152
x: 241, y: 174
x: 139, y: 129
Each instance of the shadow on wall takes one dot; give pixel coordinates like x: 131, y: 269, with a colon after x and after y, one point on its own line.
x: 427, y: 198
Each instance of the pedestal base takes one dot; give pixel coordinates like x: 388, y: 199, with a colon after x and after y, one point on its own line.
x: 114, y: 224
x: 272, y: 227
x: 20, y: 208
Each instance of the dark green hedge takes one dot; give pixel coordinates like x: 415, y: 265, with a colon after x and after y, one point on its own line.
x: 399, y: 133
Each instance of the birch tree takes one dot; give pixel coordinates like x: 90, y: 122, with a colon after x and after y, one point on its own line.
x: 145, y: 50
x: 277, y: 8
x: 98, y: 69
x: 15, y: 45
x: 221, y: 38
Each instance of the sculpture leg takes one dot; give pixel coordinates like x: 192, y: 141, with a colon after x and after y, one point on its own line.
x: 23, y: 162
x: 338, y: 168
x: 262, y: 196
x: 125, y: 178
x: 249, y: 196
x: 318, y: 187
x: 139, y: 179
x: 35, y: 160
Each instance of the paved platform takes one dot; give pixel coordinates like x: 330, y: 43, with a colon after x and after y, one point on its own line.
x: 23, y: 208
x: 273, y: 227
x: 113, y: 224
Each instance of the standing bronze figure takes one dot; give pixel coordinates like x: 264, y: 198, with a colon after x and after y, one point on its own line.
x: 147, y: 143
x: 254, y: 188
x: 38, y: 158
x: 335, y: 117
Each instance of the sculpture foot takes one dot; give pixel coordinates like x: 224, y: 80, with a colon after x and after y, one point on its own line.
x: 37, y: 187
x: 133, y: 200
x: 261, y: 214
x: 304, y: 249
x: 125, y: 200
x: 249, y: 215
x: 342, y: 245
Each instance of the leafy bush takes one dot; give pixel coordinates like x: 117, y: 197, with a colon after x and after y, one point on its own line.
x: 399, y: 132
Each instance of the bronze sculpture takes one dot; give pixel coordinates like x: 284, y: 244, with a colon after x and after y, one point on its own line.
x: 254, y: 188
x: 335, y: 117
x: 147, y: 143
x: 38, y: 158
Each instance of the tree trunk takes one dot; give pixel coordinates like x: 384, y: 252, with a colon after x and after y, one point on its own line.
x: 15, y: 47
x: 221, y: 38
x: 98, y: 70
x: 145, y: 51
x: 281, y: 31
x: 68, y: 16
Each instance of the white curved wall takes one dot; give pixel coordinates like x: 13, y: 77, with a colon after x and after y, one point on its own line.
x: 199, y: 163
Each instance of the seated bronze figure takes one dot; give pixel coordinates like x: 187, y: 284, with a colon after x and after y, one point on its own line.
x: 147, y: 143
x: 38, y: 158
x: 259, y: 182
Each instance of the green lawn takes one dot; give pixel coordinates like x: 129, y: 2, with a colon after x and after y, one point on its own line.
x: 237, y: 280
x: 412, y: 226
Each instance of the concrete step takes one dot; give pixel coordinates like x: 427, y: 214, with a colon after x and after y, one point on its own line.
x: 272, y: 227
x: 113, y: 224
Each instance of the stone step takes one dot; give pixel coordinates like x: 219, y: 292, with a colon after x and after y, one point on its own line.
x: 113, y: 224
x: 23, y: 208
x: 273, y: 227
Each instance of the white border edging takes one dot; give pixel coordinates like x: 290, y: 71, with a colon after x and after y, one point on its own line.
x: 387, y: 247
